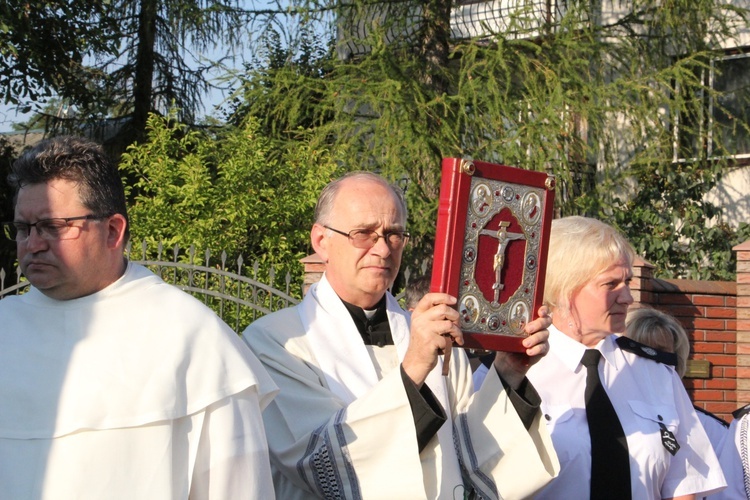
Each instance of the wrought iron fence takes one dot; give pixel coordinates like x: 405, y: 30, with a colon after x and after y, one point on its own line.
x: 232, y: 289
x: 236, y: 292
x: 18, y: 286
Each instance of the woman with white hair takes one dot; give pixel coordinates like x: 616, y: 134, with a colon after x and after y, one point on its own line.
x: 621, y: 421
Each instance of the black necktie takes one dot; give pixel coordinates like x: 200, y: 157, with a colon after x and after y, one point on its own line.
x: 610, y: 464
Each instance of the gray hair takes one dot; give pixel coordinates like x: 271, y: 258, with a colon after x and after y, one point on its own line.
x: 327, y: 197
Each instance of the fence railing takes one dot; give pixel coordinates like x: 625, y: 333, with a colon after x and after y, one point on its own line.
x: 18, y: 285
x: 232, y: 289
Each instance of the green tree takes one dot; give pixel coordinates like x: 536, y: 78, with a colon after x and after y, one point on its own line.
x: 222, y: 191
x: 279, y: 68
x: 7, y: 247
x: 43, y: 46
x: 160, y: 63
x: 591, y: 99
x: 118, y: 59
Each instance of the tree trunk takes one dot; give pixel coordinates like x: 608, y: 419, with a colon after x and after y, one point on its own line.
x: 144, y: 68
x: 436, y: 33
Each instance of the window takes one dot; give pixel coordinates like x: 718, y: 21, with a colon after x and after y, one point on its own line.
x: 520, y: 18
x: 715, y: 127
x: 731, y: 76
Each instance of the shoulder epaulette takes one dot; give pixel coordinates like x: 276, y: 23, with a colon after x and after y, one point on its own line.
x: 630, y: 345
x: 741, y: 412
x: 708, y: 413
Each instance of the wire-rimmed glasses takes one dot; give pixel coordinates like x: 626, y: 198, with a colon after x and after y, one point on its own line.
x: 367, y: 238
x: 57, y: 228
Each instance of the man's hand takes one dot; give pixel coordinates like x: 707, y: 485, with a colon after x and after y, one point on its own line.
x: 434, y: 328
x: 512, y: 366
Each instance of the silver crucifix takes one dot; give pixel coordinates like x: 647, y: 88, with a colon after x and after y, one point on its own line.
x: 503, y: 238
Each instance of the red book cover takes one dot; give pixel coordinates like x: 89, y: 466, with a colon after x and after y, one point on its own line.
x: 491, y: 247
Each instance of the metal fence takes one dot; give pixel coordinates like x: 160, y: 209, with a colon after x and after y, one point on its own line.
x: 232, y: 289
x: 401, y: 21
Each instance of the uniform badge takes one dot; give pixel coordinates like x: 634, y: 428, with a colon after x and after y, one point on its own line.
x: 648, y: 350
x: 668, y: 440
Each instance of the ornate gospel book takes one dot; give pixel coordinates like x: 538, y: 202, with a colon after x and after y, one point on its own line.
x: 490, y: 248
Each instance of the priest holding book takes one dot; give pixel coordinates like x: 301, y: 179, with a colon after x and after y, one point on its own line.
x: 364, y: 409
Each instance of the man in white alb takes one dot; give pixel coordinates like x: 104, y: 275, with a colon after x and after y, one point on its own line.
x: 113, y: 384
x: 363, y: 409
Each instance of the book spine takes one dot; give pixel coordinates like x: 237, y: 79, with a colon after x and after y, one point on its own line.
x: 445, y: 268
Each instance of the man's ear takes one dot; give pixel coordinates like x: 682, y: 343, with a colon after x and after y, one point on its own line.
x: 116, y: 226
x: 319, y: 241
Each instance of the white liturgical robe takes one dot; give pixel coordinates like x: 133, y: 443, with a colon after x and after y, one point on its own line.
x: 137, y: 391
x: 342, y: 427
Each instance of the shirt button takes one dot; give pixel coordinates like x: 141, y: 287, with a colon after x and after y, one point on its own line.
x: 547, y: 417
x: 660, y: 418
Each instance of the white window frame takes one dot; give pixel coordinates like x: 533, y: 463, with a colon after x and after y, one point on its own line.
x: 709, y: 110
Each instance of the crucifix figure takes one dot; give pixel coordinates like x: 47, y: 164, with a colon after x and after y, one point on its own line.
x: 503, y: 238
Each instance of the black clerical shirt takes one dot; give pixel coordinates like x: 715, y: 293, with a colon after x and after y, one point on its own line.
x: 374, y: 330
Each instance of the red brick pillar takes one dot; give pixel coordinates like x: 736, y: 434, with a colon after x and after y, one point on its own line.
x: 641, y: 286
x: 314, y: 268
x: 743, y: 322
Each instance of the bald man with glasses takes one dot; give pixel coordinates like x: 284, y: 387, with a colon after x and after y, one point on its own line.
x: 363, y: 409
x: 113, y: 384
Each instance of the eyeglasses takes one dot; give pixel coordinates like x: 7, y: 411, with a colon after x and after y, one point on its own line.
x: 367, y: 238
x: 58, y: 228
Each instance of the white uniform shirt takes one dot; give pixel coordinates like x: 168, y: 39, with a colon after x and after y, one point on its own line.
x: 717, y: 430
x: 734, y: 460
x: 645, y: 394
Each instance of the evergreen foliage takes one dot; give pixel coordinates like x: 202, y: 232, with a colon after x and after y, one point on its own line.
x: 590, y: 96
x: 117, y: 60
x: 7, y: 247
x: 611, y: 97
x: 221, y: 191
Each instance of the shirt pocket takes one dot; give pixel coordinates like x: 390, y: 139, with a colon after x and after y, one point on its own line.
x: 566, y: 427
x: 653, y: 416
x: 557, y: 414
x: 652, y: 435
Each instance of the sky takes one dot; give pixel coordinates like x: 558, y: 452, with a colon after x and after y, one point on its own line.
x: 9, y: 116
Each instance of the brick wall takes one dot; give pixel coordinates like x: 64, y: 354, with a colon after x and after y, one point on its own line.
x: 314, y: 269
x: 743, y: 323
x: 708, y: 312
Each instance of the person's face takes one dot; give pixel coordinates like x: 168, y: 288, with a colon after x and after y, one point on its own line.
x: 360, y: 276
x: 67, y: 268
x: 600, y: 307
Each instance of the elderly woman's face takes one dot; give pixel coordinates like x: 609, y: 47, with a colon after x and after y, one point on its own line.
x: 601, y: 306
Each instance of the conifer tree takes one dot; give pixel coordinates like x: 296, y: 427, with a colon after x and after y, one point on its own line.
x: 591, y: 93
